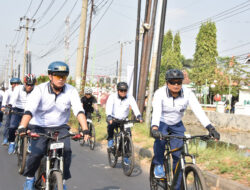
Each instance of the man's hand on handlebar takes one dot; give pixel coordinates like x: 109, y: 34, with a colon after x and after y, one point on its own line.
x: 139, y: 117
x: 85, y: 133
x: 155, y: 133
x: 109, y: 119
x: 212, y: 132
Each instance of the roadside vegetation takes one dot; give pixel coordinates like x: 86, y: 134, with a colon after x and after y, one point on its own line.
x: 216, y: 157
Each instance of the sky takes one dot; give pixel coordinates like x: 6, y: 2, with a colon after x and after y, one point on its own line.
x: 114, y: 22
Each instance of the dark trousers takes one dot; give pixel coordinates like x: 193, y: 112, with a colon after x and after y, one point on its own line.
x: 111, y: 128
x: 6, y: 124
x: 38, y: 150
x: 159, y: 145
x: 14, y: 123
x: 1, y: 113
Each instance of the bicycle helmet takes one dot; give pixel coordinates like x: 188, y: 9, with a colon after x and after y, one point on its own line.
x: 88, y: 90
x: 174, y: 74
x: 122, y: 86
x: 15, y: 81
x: 58, y: 68
x: 30, y: 79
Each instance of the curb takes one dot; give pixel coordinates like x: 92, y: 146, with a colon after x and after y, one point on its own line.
x: 214, y: 182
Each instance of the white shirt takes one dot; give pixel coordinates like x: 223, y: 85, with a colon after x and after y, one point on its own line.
x: 6, y: 97
x: 171, y: 110
x: 1, y: 95
x: 118, y: 108
x: 19, y: 97
x: 51, y: 110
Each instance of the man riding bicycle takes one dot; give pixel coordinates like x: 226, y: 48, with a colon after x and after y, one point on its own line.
x: 5, y: 105
x: 48, y: 110
x: 117, y: 107
x: 17, y: 102
x: 169, y: 104
x: 89, y: 103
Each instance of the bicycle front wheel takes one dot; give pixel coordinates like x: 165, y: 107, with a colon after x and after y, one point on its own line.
x: 92, y: 137
x: 112, y: 157
x: 22, y: 154
x: 194, y: 179
x: 56, y: 181
x: 128, y: 160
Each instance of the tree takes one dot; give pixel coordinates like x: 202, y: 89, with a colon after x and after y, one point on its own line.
x: 167, y: 42
x: 204, y: 62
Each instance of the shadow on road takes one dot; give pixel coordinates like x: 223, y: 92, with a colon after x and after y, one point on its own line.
x: 109, y: 188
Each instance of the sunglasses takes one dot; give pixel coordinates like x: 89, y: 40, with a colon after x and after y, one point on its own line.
x: 60, y: 77
x: 179, y: 82
x: 87, y: 94
x: 29, y: 84
x: 122, y: 90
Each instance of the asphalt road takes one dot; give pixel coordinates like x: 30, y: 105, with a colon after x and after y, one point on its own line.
x: 90, y: 171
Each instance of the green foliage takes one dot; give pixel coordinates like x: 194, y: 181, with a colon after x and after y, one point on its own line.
x: 171, y: 55
x: 71, y: 81
x: 205, y: 55
x: 42, y: 79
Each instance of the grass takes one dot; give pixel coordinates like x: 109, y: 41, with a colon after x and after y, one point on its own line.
x: 215, y: 156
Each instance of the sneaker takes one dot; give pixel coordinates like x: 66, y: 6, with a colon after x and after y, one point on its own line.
x: 126, y: 161
x: 64, y: 187
x: 29, y: 184
x: 110, y: 143
x: 5, y: 142
x: 159, y: 172
x: 11, y: 148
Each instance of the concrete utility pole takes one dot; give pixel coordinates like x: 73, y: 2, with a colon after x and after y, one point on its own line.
x: 161, y: 37
x: 81, y: 42
x: 66, y: 40
x: 120, y: 67
x: 153, y: 66
x: 87, y: 48
x: 137, y: 41
x: 26, y: 40
x: 144, y: 66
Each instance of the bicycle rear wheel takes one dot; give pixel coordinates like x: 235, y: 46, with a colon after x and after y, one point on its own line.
x: 155, y: 183
x: 92, y: 137
x: 56, y: 181
x: 112, y: 157
x: 22, y: 154
x: 128, y: 148
x: 194, y: 178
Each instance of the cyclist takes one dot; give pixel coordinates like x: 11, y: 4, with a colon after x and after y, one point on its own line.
x: 88, y: 101
x: 17, y: 102
x: 1, y: 99
x: 5, y: 106
x: 48, y: 109
x: 169, y: 104
x: 117, y: 107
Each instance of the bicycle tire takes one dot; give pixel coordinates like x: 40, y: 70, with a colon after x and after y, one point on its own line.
x: 41, y: 175
x: 157, y: 184
x: 128, y: 149
x: 199, y: 182
x: 92, y: 138
x: 112, y: 157
x: 23, y: 154
x: 56, y: 181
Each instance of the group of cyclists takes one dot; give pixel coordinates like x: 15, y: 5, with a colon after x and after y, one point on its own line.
x: 46, y: 107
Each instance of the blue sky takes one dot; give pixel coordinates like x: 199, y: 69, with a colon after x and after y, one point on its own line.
x: 118, y: 24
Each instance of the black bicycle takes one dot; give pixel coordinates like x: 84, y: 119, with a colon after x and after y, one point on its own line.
x: 192, y: 178
x: 123, y: 146
x: 50, y: 173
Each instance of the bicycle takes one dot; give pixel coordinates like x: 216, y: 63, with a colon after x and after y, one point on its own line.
x: 50, y: 173
x: 123, y: 146
x: 21, y: 147
x: 192, y: 177
x: 92, y: 134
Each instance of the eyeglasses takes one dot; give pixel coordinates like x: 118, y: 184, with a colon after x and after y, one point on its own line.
x: 29, y: 84
x: 60, y: 77
x: 122, y: 90
x: 179, y: 82
x: 87, y: 94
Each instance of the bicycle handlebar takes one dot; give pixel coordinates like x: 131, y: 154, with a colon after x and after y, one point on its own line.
x: 202, y: 137
x: 123, y: 121
x: 50, y: 136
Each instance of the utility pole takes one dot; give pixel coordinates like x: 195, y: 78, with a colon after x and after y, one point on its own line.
x: 144, y: 66
x: 26, y: 27
x: 153, y: 66
x: 66, y: 41
x: 87, y: 48
x: 120, y: 67
x: 162, y: 26
x: 137, y: 41
x: 81, y: 42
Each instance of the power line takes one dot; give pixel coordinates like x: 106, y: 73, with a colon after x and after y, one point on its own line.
x: 45, y: 12
x: 39, y: 6
x: 28, y: 8
x: 239, y: 46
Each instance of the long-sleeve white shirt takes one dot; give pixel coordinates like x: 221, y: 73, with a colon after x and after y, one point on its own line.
x: 6, y: 97
x: 19, y: 97
x: 1, y: 95
x: 171, y: 110
x: 51, y: 110
x: 118, y: 108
